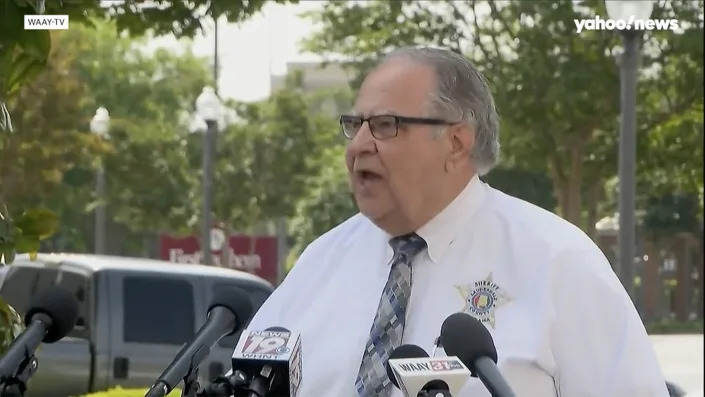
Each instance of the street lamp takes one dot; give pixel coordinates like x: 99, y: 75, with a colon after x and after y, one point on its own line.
x: 100, y: 125
x: 624, y: 10
x: 208, y: 109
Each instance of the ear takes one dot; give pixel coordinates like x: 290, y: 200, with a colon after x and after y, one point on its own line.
x: 462, y: 140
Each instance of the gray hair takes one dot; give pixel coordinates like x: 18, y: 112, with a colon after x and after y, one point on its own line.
x: 463, y: 94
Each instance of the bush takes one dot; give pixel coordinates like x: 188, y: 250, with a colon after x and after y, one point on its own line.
x: 669, y: 326
x: 120, y: 392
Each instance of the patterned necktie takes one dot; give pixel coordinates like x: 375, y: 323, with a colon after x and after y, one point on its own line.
x: 388, y: 326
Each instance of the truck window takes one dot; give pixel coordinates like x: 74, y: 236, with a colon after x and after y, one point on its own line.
x: 158, y: 310
x: 23, y: 282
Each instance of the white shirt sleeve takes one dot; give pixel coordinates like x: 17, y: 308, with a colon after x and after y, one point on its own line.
x: 599, y: 342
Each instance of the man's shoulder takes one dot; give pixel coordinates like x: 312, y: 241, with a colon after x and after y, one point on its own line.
x: 528, y: 215
x: 539, y: 227
x: 341, y: 235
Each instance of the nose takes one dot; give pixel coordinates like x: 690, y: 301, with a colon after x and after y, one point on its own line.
x: 363, y: 142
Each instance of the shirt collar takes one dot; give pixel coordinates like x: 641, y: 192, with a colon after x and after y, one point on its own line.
x: 441, y: 230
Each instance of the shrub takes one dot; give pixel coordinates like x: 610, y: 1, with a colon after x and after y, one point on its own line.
x: 120, y: 392
x: 669, y: 326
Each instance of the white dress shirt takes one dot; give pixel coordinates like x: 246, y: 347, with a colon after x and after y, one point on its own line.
x: 561, y: 321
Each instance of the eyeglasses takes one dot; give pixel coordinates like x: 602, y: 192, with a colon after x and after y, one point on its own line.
x: 383, y: 126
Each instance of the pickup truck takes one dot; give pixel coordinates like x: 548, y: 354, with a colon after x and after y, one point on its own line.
x: 134, y: 316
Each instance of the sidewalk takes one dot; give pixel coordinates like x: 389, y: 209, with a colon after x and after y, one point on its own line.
x: 681, y: 358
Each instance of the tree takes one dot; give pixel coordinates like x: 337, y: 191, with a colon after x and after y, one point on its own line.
x: 25, y: 53
x: 46, y: 143
x: 267, y: 158
x: 328, y: 201
x: 557, y: 90
x: 145, y: 94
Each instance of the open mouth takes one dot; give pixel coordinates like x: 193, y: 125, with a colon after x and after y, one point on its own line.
x: 368, y: 176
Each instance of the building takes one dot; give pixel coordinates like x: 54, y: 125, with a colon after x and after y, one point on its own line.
x: 315, y: 75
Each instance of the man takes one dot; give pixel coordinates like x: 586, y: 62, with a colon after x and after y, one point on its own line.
x: 431, y: 239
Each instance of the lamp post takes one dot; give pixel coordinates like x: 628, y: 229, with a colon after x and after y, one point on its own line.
x: 209, y: 109
x: 629, y: 62
x: 100, y: 125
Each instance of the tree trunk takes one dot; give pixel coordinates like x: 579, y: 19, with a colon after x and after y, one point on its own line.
x: 594, y: 196
x: 568, y: 185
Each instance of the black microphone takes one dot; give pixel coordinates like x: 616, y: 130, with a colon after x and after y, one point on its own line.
x: 465, y: 337
x: 272, y: 360
x: 401, y: 352
x: 228, y: 311
x: 51, y: 316
x: 417, y: 375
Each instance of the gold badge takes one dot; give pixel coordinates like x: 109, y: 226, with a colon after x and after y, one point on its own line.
x: 482, y: 298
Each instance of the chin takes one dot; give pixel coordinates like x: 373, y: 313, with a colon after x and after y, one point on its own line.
x: 370, y: 208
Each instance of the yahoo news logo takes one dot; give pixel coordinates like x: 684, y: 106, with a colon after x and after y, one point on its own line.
x: 598, y: 23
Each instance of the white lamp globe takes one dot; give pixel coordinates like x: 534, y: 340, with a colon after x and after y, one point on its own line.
x: 624, y: 9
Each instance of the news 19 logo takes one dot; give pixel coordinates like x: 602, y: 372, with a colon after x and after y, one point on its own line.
x: 266, y: 342
x: 445, y: 365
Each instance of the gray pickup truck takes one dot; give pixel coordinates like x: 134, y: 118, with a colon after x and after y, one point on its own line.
x: 135, y: 314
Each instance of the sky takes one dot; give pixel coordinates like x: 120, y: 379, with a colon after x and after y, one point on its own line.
x: 251, y: 51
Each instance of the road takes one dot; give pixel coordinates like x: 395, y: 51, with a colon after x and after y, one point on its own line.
x: 681, y: 358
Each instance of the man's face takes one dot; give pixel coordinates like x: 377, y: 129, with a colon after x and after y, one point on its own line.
x: 394, y: 179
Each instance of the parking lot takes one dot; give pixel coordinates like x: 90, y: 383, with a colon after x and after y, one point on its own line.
x: 681, y: 358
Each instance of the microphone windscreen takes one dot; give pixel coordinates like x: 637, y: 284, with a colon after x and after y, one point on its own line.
x: 236, y: 300
x: 465, y: 337
x: 59, y: 305
x: 403, y: 351
x: 277, y: 329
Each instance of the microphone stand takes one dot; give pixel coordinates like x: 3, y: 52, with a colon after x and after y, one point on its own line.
x: 190, y: 383
x: 235, y: 385
x: 16, y: 386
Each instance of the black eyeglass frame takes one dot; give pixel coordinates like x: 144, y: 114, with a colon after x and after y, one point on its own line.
x: 397, y: 121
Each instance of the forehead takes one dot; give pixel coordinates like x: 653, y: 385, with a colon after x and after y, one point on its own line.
x: 399, y: 86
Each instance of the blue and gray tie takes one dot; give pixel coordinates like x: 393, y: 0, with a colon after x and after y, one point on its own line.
x: 388, y: 326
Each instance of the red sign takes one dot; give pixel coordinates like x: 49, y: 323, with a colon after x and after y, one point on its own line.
x: 252, y: 254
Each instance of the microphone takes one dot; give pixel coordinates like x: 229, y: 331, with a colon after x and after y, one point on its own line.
x: 226, y: 385
x: 411, y: 370
x: 465, y: 337
x: 228, y: 311
x: 51, y: 316
x: 272, y: 358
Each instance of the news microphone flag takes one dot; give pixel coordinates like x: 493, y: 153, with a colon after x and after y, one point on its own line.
x: 413, y: 374
x: 279, y: 350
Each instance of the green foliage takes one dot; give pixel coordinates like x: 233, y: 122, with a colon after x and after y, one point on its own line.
x: 557, y: 91
x: 668, y: 326
x: 178, y: 17
x: 532, y: 186
x: 47, y: 142
x: 671, y: 214
x: 120, y: 392
x: 328, y: 201
x: 10, y: 325
x: 23, y: 53
x: 145, y: 94
x: 24, y: 233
